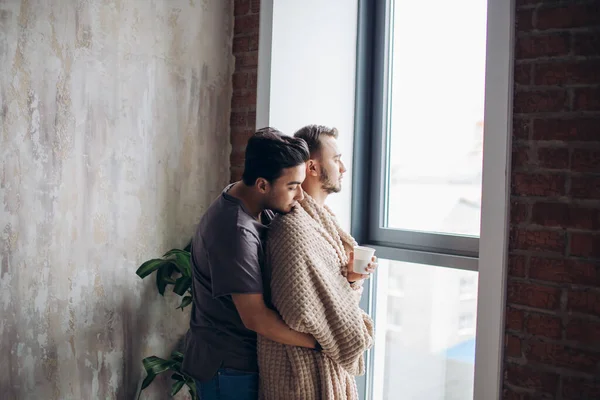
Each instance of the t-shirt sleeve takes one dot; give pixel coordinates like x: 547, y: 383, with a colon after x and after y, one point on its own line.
x: 235, y: 266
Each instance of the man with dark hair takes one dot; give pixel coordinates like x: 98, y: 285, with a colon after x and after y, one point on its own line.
x: 310, y: 267
x: 227, y: 254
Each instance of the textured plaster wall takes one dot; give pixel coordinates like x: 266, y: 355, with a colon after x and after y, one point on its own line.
x: 114, y: 138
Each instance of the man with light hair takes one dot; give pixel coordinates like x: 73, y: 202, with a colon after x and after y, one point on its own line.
x: 309, y: 266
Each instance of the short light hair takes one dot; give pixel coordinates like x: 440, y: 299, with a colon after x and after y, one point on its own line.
x: 312, y: 136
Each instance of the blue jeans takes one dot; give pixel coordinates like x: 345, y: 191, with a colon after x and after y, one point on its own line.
x: 229, y: 384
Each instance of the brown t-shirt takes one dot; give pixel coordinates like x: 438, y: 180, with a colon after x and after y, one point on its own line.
x: 227, y: 255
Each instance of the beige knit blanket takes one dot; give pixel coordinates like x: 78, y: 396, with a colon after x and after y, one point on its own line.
x: 307, y: 252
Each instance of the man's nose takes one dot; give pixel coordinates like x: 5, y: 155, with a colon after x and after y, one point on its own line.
x: 342, y: 167
x: 300, y: 194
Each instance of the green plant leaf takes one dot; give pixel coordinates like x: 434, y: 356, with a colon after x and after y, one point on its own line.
x: 183, y: 263
x: 154, y: 366
x: 177, y: 356
x: 173, y: 252
x: 187, y: 300
x: 163, y: 277
x: 191, y: 384
x: 149, y: 267
x: 177, y: 387
x: 178, y: 377
x: 182, y: 284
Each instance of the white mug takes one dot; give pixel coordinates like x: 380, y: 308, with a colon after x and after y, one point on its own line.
x: 362, y: 258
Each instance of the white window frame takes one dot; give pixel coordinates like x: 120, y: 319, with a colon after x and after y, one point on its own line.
x: 488, y: 254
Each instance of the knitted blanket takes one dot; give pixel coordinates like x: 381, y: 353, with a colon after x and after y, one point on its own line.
x: 307, y: 252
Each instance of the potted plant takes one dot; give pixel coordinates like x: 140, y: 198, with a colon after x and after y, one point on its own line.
x: 174, y: 268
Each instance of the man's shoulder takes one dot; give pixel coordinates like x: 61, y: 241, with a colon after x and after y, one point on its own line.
x: 288, y: 224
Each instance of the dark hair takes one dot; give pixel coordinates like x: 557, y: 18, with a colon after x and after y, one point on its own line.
x: 312, y: 136
x: 269, y: 152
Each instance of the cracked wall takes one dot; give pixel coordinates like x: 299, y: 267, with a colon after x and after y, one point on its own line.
x: 114, y: 139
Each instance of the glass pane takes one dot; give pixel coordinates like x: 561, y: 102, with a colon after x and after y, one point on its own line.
x: 437, y: 77
x: 425, y: 332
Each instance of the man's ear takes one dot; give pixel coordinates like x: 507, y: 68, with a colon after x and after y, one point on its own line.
x: 312, y: 167
x: 262, y: 185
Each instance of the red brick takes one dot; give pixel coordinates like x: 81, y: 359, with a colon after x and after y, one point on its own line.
x: 553, y: 158
x: 514, y: 319
x: 255, y: 6
x: 580, y: 388
x: 518, y: 212
x: 240, y: 80
x: 513, y: 346
x: 587, y: 99
x: 565, y: 215
x: 246, y: 25
x: 253, y: 43
x: 240, y: 44
x: 587, y: 302
x: 532, y: 101
x: 567, y: 16
x: 532, y: 295
x: 584, y: 332
x: 520, y: 157
x: 239, y: 138
x: 521, y: 3
x: 584, y: 218
x: 585, y: 245
x: 239, y: 119
x: 509, y: 394
x: 521, y: 128
x: 543, y: 325
x: 246, y: 60
x: 528, y: 378
x: 524, y: 20
x: 252, y: 79
x: 243, y: 99
x: 545, y: 45
x: 549, y: 214
x: 585, y: 187
x: 587, y: 43
x: 252, y: 118
x: 517, y: 266
x: 571, y: 129
x: 564, y: 73
x: 561, y: 356
x: 241, y: 7
x: 585, y: 160
x: 538, y: 240
x: 523, y: 74
x: 236, y: 172
x: 526, y: 184
x: 564, y: 271
x: 237, y: 158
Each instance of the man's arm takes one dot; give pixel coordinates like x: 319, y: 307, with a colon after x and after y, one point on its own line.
x: 257, y: 317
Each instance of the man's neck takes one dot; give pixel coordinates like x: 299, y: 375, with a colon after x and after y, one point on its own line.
x: 316, y: 192
x: 248, y: 198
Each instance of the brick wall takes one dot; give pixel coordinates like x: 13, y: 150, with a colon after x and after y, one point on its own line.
x: 243, y: 101
x: 553, y: 314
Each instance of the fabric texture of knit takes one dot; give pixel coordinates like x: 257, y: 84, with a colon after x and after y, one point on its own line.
x: 307, y: 253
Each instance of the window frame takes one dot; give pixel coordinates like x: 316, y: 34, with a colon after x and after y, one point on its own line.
x: 486, y: 254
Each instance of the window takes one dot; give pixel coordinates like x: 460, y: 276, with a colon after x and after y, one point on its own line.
x: 466, y: 323
x: 396, y: 283
x: 417, y: 190
x: 424, y: 348
x: 467, y: 289
x: 394, y: 312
